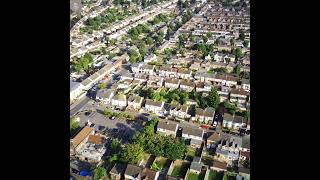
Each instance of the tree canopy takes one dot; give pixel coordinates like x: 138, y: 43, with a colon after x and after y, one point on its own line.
x: 99, y: 172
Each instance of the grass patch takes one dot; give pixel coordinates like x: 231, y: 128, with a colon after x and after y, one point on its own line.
x: 180, y: 170
x: 190, y: 154
x: 215, y: 175
x: 158, y: 163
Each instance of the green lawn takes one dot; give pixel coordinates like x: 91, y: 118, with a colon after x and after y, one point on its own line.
x: 194, y: 176
x: 159, y: 163
x: 180, y: 170
x: 214, y: 175
x: 190, y: 154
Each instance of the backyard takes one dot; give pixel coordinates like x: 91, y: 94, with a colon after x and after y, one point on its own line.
x: 190, y: 154
x: 180, y: 169
x: 215, y: 175
x: 159, y: 163
x: 194, y: 176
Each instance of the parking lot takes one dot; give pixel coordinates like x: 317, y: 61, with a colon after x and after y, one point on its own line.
x: 123, y: 130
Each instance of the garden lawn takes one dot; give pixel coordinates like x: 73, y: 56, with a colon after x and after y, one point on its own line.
x: 180, y: 170
x: 159, y: 163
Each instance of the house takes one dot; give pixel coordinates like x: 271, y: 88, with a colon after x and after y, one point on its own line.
x: 184, y: 73
x: 194, y: 134
x: 213, y: 139
x: 167, y: 128
x: 228, y: 149
x: 200, y: 87
x: 119, y: 100
x: 171, y: 83
x: 166, y: 71
x: 195, y: 167
x: 187, y: 86
x: 238, y: 96
x: 180, y: 112
x: 245, y: 60
x: 150, y: 58
x: 223, y: 92
x: 105, y: 96
x: 80, y: 139
x: 148, y: 174
x: 136, y: 67
x: 227, y: 120
x: 238, y: 122
x: 135, y: 102
x: 225, y: 80
x: 244, y: 155
x: 206, y: 115
x: 117, y: 172
x: 246, y: 143
x: 245, y: 84
x: 93, y: 149
x: 155, y: 82
x: 154, y: 107
x: 147, y: 69
x: 219, y: 166
x: 127, y: 76
x: 141, y: 77
x: 133, y: 172
x: 76, y: 89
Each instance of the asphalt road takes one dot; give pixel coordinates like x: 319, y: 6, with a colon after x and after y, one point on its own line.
x: 81, y: 103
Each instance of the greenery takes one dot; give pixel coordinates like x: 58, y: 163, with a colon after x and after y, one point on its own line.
x: 215, y: 175
x: 99, y: 173
x: 237, y: 70
x: 105, y: 19
x: 237, y: 52
x: 245, y: 43
x: 102, y: 85
x: 229, y: 176
x: 229, y: 107
x: 194, y: 176
x: 126, y: 115
x: 190, y: 154
x: 166, y: 146
x: 132, y: 153
x: 179, y: 170
x: 159, y: 163
x: 74, y: 126
x: 84, y: 63
x: 205, y: 49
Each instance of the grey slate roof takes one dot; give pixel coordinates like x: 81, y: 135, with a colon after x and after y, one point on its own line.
x: 133, y: 170
x: 168, y: 125
x: 227, y: 117
x: 192, y: 131
x: 196, y: 166
x: 195, y: 142
x: 118, y: 168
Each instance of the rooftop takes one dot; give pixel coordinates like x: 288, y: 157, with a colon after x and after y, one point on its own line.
x: 168, y: 125
x: 192, y: 131
x: 81, y: 136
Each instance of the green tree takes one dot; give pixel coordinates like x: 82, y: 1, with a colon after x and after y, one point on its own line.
x: 115, y: 145
x: 213, y: 98
x: 149, y: 40
x: 237, y: 70
x: 193, y: 38
x: 245, y: 43
x: 237, y: 52
x: 175, y: 149
x: 99, y: 173
x: 241, y: 36
x: 132, y: 153
x: 74, y: 125
x: 183, y: 52
x: 102, y: 86
x: 209, y: 35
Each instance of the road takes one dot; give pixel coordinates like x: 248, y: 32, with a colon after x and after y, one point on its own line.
x: 79, y: 105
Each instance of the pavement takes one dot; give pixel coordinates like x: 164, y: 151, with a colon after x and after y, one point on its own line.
x: 77, y: 106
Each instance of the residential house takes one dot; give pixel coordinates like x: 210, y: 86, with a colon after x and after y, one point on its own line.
x: 127, y: 76
x: 80, y: 139
x: 76, y: 89
x: 227, y: 120
x: 117, y: 172
x: 187, y: 86
x: 166, y: 71
x: 223, y: 92
x: 155, y: 82
x: 213, y: 139
x: 105, y: 96
x: 244, y: 172
x: 206, y: 115
x: 148, y: 174
x: 228, y: 149
x: 245, y: 60
x: 167, y: 128
x: 133, y: 172
x: 184, y: 73
x: 148, y: 69
x: 238, y: 122
x: 154, y: 107
x: 203, y: 87
x: 136, y: 67
x: 119, y: 100
x: 191, y: 102
x: 219, y: 166
x: 245, y: 84
x: 135, y: 102
x: 171, y: 83
x: 150, y: 58
x: 246, y: 143
x: 93, y: 149
x: 225, y: 80
x: 141, y: 77
x: 194, y: 134
x: 179, y: 111
x: 238, y: 96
